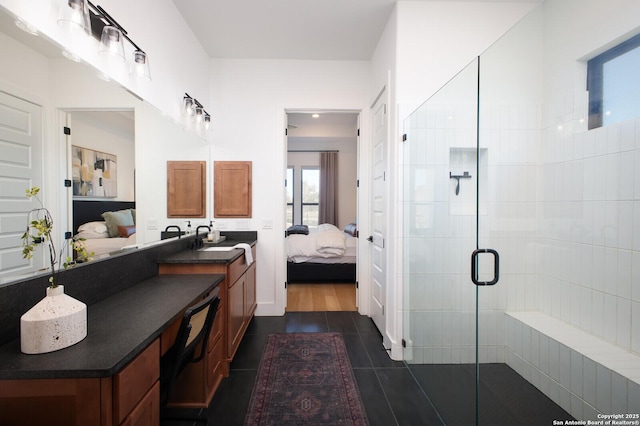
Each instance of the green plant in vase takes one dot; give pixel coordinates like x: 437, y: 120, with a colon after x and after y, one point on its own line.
x: 39, y: 229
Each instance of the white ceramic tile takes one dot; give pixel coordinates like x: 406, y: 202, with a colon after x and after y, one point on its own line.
x: 586, y: 310
x: 610, y: 318
x: 633, y: 400
x: 554, y: 360
x: 576, y: 407
x: 544, y: 354
x: 636, y: 221
x: 626, y: 176
x: 597, y: 299
x: 625, y: 225
x: 636, y: 186
x: 589, y: 380
x: 589, y: 413
x: 565, y: 398
x: 627, y: 135
x: 576, y: 373
x: 635, y: 327
x: 619, y: 394
x: 635, y: 276
x: 623, y: 325
x: 603, y: 391
x: 565, y: 366
x: 624, y: 273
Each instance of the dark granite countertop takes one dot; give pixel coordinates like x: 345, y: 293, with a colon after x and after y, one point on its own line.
x: 202, y: 255
x: 119, y: 328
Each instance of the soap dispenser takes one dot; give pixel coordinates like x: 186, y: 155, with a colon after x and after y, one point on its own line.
x: 214, y: 230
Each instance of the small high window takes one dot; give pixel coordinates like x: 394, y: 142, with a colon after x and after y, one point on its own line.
x: 613, y: 82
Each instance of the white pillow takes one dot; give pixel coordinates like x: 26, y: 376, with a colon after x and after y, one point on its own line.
x: 327, y: 227
x: 95, y: 227
x: 88, y: 235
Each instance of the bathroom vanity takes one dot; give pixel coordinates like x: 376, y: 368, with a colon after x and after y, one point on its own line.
x: 237, y: 306
x: 135, y: 303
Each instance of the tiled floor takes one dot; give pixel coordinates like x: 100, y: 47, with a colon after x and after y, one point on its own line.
x: 393, y: 393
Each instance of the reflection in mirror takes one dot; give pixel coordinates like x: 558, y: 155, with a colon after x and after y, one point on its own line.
x: 53, y: 92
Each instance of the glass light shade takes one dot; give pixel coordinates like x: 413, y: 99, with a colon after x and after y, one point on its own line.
x: 207, y: 121
x: 74, y: 16
x: 189, y: 106
x: 140, y: 65
x: 111, y: 43
x: 199, y: 114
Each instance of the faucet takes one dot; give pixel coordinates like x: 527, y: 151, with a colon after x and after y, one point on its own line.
x: 172, y: 227
x: 198, y: 241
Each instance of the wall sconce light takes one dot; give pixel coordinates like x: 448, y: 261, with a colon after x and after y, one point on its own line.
x: 193, y: 108
x: 83, y: 15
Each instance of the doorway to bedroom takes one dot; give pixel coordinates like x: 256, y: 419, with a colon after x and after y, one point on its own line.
x: 321, y: 210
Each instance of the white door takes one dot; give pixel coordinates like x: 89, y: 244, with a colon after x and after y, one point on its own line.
x: 20, y: 169
x: 378, y: 213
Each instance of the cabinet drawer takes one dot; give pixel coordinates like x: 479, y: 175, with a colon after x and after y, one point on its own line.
x: 216, y: 329
x: 235, y: 270
x: 147, y: 412
x: 133, y: 381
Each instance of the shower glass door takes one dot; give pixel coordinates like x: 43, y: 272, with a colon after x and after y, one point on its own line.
x: 470, y: 187
x: 440, y: 226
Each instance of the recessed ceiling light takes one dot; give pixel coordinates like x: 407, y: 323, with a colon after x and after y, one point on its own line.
x: 315, y: 115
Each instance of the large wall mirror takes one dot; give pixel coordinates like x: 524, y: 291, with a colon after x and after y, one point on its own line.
x: 115, y: 137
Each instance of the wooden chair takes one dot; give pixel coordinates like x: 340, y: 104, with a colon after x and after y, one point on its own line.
x: 192, y: 336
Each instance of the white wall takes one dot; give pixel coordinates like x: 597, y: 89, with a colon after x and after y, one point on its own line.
x: 178, y: 62
x: 250, y: 101
x: 113, y: 133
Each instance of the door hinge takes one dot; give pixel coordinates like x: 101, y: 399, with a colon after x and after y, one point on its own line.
x: 404, y: 343
x: 286, y: 132
x: 357, y: 284
x: 357, y: 183
x: 285, y: 284
x: 382, y: 310
x: 404, y: 137
x: 358, y: 132
x: 384, y: 176
x: 67, y: 130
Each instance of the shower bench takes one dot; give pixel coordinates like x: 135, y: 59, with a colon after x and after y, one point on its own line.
x: 582, y: 373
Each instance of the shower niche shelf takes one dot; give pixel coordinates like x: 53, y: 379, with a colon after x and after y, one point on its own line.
x: 463, y: 180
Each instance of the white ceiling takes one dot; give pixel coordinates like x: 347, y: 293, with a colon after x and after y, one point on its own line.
x: 290, y: 29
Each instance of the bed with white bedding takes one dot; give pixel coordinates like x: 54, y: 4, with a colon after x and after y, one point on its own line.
x: 325, y: 254
x: 104, y: 226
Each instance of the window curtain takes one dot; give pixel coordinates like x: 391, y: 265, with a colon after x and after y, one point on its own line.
x: 328, y: 188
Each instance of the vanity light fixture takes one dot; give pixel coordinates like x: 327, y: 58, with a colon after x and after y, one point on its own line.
x: 85, y: 16
x: 74, y: 16
x: 193, y: 108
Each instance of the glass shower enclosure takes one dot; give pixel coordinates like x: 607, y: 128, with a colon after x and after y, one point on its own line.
x: 471, y: 184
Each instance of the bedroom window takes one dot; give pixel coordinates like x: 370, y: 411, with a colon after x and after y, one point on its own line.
x: 310, y: 196
x: 612, y: 82
x: 289, y: 195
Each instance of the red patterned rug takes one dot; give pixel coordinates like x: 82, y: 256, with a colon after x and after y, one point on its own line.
x: 305, y: 378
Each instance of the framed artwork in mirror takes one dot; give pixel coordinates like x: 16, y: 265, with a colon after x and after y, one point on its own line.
x: 94, y: 173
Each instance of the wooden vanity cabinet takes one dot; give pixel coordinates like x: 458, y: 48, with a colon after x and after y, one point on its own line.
x: 237, y: 306
x: 130, y: 397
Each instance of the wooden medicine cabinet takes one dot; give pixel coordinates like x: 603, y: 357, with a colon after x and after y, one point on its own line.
x: 232, y: 188
x: 186, y: 189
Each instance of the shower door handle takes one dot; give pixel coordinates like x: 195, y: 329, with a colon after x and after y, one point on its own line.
x: 474, y: 266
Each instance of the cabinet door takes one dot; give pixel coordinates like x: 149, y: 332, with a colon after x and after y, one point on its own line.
x: 236, y: 315
x: 232, y: 188
x: 186, y: 189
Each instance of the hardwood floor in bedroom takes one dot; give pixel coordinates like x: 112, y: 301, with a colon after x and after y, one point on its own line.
x: 321, y: 297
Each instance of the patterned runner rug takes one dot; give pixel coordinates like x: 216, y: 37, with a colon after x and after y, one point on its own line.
x: 305, y: 378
